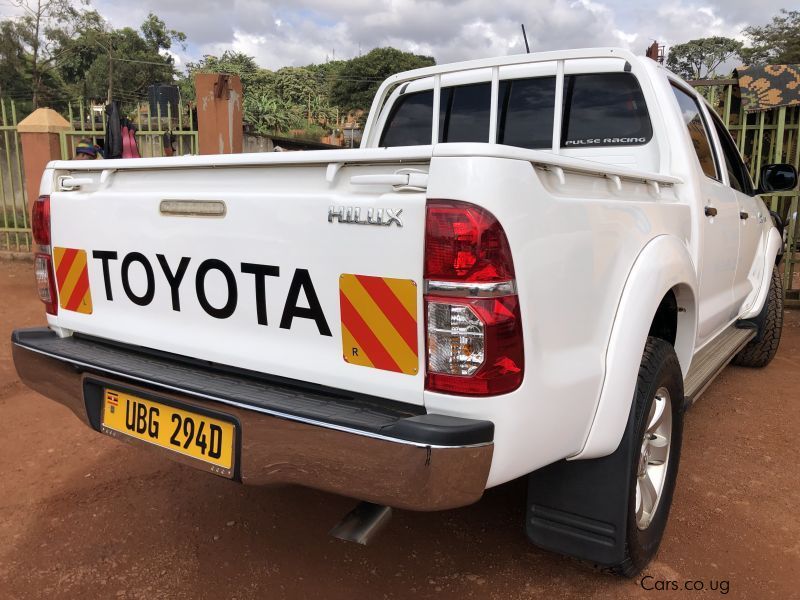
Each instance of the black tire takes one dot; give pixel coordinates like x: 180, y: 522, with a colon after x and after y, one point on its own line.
x: 659, y: 369
x: 587, y: 509
x: 769, y: 323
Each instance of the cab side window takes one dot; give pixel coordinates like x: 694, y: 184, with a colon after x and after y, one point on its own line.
x: 737, y: 173
x: 604, y: 109
x: 410, y: 122
x: 693, y: 119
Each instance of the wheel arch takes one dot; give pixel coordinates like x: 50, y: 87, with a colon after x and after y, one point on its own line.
x: 662, y: 270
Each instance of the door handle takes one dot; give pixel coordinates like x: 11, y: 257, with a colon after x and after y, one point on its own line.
x: 744, y: 216
x: 68, y: 183
x: 710, y: 211
x: 404, y: 178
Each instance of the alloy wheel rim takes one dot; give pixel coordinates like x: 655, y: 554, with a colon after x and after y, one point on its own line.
x: 653, y: 458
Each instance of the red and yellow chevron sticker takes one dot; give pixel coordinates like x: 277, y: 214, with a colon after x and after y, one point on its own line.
x: 379, y: 322
x: 72, y: 276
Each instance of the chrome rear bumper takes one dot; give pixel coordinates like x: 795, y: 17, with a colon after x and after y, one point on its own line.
x: 422, y: 462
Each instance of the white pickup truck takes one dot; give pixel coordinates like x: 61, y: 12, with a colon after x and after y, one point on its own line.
x: 531, y: 267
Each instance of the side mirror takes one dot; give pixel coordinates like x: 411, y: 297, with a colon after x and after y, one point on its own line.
x: 779, y: 177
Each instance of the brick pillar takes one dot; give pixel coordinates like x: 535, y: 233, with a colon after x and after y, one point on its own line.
x: 219, y: 113
x: 38, y: 133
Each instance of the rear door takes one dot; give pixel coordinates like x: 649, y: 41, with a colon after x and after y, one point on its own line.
x: 298, y: 270
x: 719, y: 224
x: 751, y: 216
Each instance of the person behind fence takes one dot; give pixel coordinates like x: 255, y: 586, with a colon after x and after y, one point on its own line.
x: 85, y: 150
x: 168, y: 142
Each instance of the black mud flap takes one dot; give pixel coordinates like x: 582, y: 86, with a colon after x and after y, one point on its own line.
x: 580, y: 508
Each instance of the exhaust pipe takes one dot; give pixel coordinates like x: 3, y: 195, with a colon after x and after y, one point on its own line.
x: 362, y: 523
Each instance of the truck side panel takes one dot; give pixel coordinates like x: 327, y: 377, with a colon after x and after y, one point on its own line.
x: 574, y: 245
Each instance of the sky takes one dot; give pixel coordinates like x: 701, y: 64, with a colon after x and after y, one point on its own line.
x: 298, y: 32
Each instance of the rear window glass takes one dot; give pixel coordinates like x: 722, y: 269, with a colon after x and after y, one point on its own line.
x: 465, y: 113
x: 526, y: 112
x: 410, y: 122
x: 604, y: 109
x: 600, y: 109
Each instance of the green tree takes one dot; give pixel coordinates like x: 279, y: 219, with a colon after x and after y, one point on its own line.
x: 157, y: 36
x: 359, y: 78
x: 268, y: 114
x: 777, y: 42
x: 78, y: 55
x: 326, y: 75
x: 43, y: 31
x: 296, y: 85
x: 699, y: 59
x: 14, y: 77
x: 121, y: 62
x: 255, y: 80
x: 320, y: 111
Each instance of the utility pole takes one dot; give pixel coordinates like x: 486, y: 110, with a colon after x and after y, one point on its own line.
x: 110, y: 64
x: 110, y: 79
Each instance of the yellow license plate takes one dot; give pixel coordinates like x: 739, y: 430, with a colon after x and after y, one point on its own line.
x: 188, y: 433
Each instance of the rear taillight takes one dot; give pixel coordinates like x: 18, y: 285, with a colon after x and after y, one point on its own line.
x: 40, y: 223
x: 473, y: 326
x: 45, y: 282
x: 464, y: 243
x: 43, y: 261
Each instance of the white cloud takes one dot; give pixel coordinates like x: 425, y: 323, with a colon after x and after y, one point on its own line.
x: 297, y: 32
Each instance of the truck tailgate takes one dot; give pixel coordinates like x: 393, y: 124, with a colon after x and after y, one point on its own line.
x: 270, y: 281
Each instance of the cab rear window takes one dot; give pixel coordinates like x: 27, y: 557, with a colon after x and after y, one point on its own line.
x: 465, y: 113
x: 526, y: 112
x: 599, y: 109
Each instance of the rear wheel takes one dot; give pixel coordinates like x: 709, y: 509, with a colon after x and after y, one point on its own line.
x: 769, y: 324
x: 658, y: 429
x: 612, y: 511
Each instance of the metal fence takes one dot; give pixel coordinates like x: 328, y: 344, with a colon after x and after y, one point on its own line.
x: 765, y: 137
x: 87, y: 122
x: 15, y: 232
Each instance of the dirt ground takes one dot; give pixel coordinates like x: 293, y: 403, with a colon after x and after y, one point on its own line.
x: 84, y: 516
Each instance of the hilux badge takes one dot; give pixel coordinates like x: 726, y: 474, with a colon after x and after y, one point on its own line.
x: 374, y: 216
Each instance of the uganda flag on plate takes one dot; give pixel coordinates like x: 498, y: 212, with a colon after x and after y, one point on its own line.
x: 379, y: 322
x: 72, y: 276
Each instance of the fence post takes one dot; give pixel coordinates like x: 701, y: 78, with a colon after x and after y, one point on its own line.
x: 219, y: 113
x: 39, y: 134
